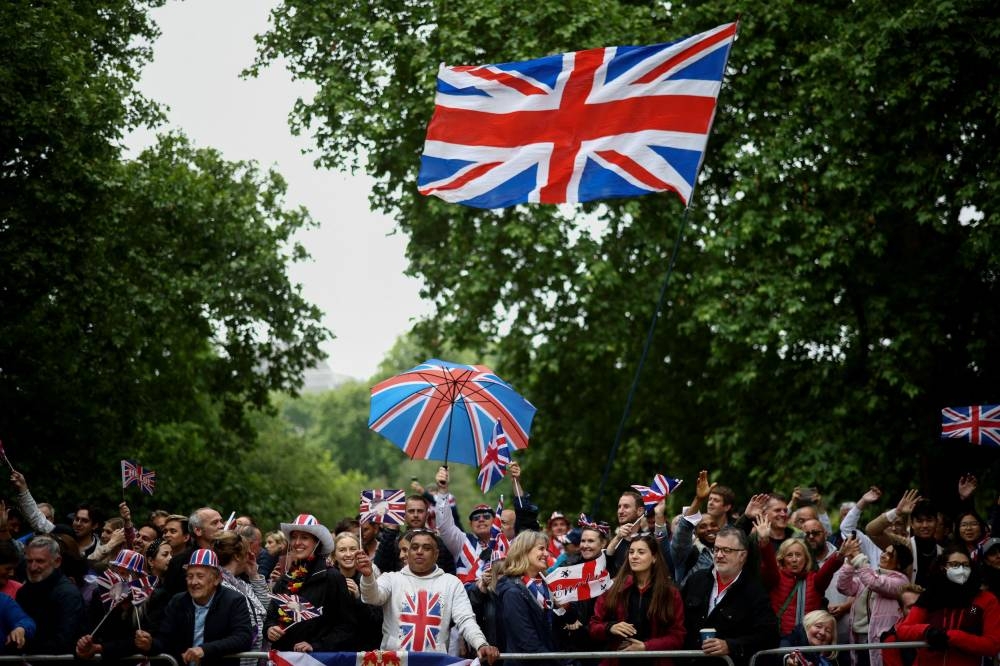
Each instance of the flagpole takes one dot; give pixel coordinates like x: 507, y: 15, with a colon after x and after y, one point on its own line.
x: 663, y: 292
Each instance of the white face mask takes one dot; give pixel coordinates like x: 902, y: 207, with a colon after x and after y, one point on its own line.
x: 958, y: 575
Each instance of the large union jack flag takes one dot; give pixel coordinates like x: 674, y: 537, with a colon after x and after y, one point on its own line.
x: 658, y: 490
x: 383, y: 506
x: 493, y: 466
x: 978, y: 424
x: 606, y: 122
x: 134, y: 474
x: 420, y: 622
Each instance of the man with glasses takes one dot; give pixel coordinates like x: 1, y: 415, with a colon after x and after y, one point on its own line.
x: 730, y: 601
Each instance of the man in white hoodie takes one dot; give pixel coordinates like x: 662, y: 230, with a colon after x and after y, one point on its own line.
x: 420, y: 602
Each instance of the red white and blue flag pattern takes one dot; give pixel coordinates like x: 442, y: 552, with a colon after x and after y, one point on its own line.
x: 580, y: 581
x: 658, y: 490
x: 383, y: 506
x: 372, y: 658
x: 420, y: 621
x: 134, y: 474
x: 498, y: 544
x: 493, y: 466
x: 297, y: 608
x: 440, y: 410
x: 607, y: 122
x: 978, y: 424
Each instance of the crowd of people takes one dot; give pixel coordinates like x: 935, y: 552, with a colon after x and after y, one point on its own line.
x: 712, y: 579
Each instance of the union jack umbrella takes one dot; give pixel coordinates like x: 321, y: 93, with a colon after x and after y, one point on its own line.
x: 977, y: 424
x: 658, y: 490
x: 446, y: 411
x: 134, y: 474
x: 383, y: 506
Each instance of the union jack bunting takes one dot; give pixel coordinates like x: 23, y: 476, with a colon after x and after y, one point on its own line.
x: 420, y: 622
x: 580, y: 581
x: 383, y: 506
x: 978, y: 424
x: 658, y: 490
x: 493, y: 466
x: 372, y: 658
x: 299, y: 609
x: 134, y: 474
x: 607, y: 122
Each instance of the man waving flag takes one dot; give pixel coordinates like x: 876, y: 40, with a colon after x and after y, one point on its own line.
x: 607, y: 122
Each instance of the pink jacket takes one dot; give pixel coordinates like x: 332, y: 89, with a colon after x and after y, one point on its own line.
x: 883, y: 609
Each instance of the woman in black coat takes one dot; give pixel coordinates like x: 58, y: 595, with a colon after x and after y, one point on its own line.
x: 309, y: 586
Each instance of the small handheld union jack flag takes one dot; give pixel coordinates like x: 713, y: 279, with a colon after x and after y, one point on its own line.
x: 654, y: 493
x: 134, y: 474
x: 296, y: 607
x: 978, y: 424
x: 493, y: 466
x: 498, y: 543
x: 383, y: 506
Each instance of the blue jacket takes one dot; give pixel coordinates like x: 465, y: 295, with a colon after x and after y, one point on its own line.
x: 13, y: 616
x: 523, y: 626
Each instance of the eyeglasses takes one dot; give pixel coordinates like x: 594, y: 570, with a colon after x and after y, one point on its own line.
x: 481, y: 516
x: 812, y: 533
x: 968, y: 525
x: 956, y: 565
x: 725, y: 550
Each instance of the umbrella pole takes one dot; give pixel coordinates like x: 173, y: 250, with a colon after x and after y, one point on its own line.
x: 447, y: 446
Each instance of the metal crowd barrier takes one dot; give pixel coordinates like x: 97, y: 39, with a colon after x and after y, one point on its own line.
x: 29, y: 658
x: 538, y: 656
x: 838, y: 647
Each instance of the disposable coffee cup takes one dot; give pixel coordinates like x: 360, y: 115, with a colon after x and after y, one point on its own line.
x: 707, y: 634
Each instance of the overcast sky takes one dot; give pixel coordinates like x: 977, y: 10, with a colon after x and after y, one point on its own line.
x: 356, y: 273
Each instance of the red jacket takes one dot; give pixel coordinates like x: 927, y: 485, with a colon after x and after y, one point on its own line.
x: 973, y: 632
x: 663, y: 638
x: 779, y: 584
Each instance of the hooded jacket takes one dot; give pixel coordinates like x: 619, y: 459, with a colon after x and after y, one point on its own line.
x: 418, y: 611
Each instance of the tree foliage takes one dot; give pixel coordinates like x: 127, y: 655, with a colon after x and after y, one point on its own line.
x: 146, y: 309
x: 835, y: 284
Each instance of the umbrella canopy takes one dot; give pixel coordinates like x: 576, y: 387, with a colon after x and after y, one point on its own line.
x: 446, y: 411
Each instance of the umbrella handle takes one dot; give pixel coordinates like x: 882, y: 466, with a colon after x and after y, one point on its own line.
x: 445, y: 465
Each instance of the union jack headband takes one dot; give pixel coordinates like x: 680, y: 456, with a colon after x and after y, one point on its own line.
x: 601, y: 527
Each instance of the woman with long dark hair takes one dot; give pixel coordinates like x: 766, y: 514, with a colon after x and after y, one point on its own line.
x: 643, y: 609
x: 959, y: 621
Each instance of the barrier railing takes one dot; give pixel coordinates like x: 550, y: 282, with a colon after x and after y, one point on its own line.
x: 837, y: 647
x: 539, y: 656
x: 28, y: 658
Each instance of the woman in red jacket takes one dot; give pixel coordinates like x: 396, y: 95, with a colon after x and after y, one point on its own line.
x: 795, y: 589
x: 643, y: 609
x: 959, y: 621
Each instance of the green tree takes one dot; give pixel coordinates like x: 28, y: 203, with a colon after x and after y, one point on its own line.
x: 146, y: 309
x: 832, y: 291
